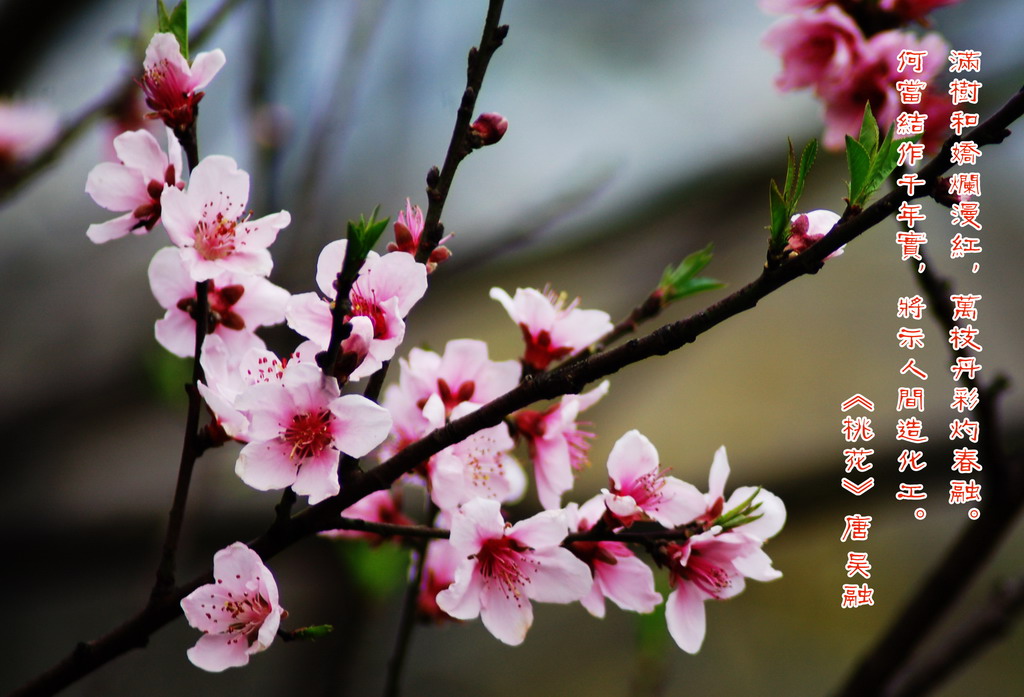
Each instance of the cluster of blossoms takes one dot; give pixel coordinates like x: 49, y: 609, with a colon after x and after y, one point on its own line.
x: 847, y: 53
x: 295, y: 423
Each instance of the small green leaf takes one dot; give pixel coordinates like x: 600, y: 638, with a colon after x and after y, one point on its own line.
x: 868, y: 130
x: 681, y: 281
x: 364, y: 234
x: 780, y: 217
x: 806, y: 160
x: 174, y: 23
x: 791, y: 178
x: 859, y: 163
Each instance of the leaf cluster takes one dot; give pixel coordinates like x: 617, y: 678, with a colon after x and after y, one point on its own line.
x: 870, y: 161
x: 784, y: 202
x: 681, y: 281
x: 175, y: 22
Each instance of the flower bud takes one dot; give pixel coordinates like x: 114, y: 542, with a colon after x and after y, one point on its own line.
x: 488, y: 129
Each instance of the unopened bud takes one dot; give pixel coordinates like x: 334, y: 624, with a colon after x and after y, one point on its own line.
x: 489, y: 128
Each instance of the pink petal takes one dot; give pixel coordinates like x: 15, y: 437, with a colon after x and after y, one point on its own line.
x: 632, y: 456
x: 317, y: 476
x: 310, y: 316
x: 560, y: 576
x: 461, y: 600
x: 205, y: 66
x: 718, y: 476
x: 476, y: 521
x: 545, y: 529
x: 114, y: 229
x: 176, y: 332
x: 262, y: 232
x: 506, y: 615
x: 684, y: 614
x: 328, y: 265
x: 139, y: 150
x: 360, y: 424
x: 116, y: 187
x: 163, y: 46
x: 629, y: 583
x: 681, y: 503
x: 219, y: 186
x: 169, y: 279
x: 266, y: 465
x: 772, y: 511
x: 217, y: 652
x: 179, y: 213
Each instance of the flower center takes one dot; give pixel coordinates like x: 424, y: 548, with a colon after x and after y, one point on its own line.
x: 363, y: 306
x: 309, y: 434
x: 710, y: 578
x: 216, y: 239
x: 501, y: 560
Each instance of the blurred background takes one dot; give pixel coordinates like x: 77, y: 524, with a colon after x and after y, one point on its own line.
x: 639, y: 132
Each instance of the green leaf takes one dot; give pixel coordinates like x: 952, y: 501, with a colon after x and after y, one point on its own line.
x: 364, y: 234
x: 806, y: 160
x: 791, y: 177
x: 868, y: 130
x: 682, y: 280
x: 780, y: 217
x: 174, y: 23
x: 859, y: 163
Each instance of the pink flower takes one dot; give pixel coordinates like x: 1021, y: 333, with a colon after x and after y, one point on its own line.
x: 640, y: 490
x: 557, y: 446
x: 238, y: 304
x: 205, y: 222
x: 618, y: 574
x: 769, y: 507
x: 872, y: 79
x: 552, y: 330
x: 502, y: 568
x: 228, y: 375
x: 239, y: 613
x: 464, y: 373
x: 409, y: 229
x: 817, y: 48
x: 26, y: 130
x: 135, y: 185
x: 807, y: 228
x: 299, y: 428
x: 171, y: 85
x: 478, y: 467
x: 910, y: 10
x: 382, y: 506
x: 438, y: 574
x: 386, y: 289
x: 781, y: 6
x: 709, y: 565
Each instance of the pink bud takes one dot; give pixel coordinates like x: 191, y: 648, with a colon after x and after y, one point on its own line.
x: 489, y: 128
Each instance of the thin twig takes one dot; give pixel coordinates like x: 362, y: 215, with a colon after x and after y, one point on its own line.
x: 439, y: 182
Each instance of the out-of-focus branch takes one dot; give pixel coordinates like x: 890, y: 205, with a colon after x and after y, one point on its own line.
x: 977, y: 633
x: 75, y: 127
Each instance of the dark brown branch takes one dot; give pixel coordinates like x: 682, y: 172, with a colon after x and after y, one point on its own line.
x: 439, y: 182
